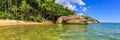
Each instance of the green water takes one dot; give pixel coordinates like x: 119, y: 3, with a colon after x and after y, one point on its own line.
x: 101, y: 31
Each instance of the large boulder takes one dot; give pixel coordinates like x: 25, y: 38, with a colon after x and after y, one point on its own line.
x: 76, y: 19
x: 72, y: 19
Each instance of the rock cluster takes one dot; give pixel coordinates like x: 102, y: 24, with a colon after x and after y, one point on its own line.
x: 75, y: 19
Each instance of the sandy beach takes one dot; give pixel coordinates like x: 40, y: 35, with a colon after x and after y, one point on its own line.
x: 22, y: 23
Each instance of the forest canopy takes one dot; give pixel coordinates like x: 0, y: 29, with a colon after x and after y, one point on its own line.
x: 32, y: 10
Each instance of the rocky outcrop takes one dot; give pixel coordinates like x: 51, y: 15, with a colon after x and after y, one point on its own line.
x: 75, y: 19
x: 91, y: 20
x: 72, y: 19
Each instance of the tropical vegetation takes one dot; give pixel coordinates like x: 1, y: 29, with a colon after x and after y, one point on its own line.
x: 32, y: 10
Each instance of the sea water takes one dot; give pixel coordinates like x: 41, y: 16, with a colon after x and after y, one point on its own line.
x: 100, y: 31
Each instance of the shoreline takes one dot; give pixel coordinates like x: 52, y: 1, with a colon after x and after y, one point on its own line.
x: 22, y: 23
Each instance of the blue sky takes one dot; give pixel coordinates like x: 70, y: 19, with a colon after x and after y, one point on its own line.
x: 102, y: 10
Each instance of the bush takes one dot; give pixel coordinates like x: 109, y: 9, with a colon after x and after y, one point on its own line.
x: 5, y: 15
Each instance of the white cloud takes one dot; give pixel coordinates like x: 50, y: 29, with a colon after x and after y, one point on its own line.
x: 67, y: 3
x: 84, y: 9
x: 71, y: 7
x: 80, y: 2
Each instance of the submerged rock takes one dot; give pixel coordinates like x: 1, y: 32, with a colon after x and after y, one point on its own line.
x: 76, y: 19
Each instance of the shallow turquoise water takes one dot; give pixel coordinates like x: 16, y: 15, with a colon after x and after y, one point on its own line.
x: 104, y: 31
x: 101, y: 31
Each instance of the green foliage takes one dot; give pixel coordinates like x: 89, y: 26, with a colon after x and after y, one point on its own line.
x: 24, y: 6
x: 2, y: 7
x: 49, y: 1
x: 33, y: 10
x: 13, y: 8
x: 53, y: 11
x: 36, y: 18
x: 5, y: 15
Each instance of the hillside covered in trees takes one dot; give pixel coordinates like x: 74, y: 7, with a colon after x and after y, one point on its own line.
x: 32, y: 10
